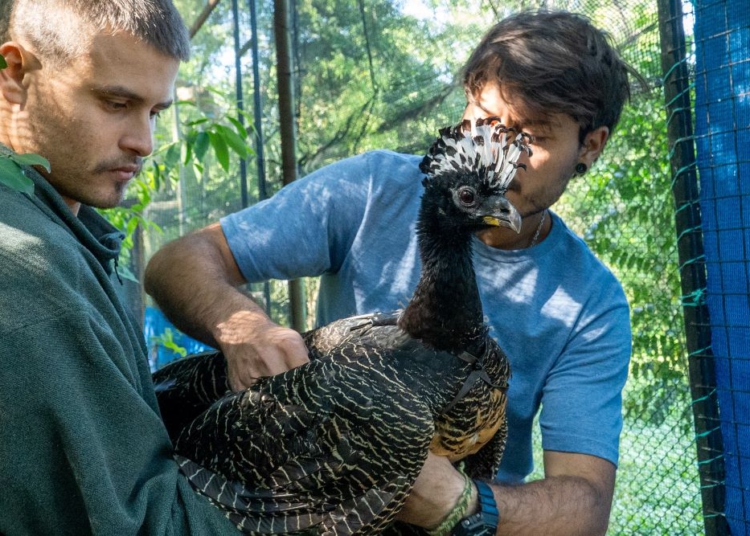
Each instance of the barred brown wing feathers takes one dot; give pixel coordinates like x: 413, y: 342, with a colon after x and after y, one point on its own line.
x: 377, y: 330
x: 187, y: 387
x: 475, y: 427
x: 364, y: 514
x: 324, y: 340
x: 241, y: 502
x: 295, y: 450
x: 485, y: 463
x: 374, y: 441
x: 478, y: 418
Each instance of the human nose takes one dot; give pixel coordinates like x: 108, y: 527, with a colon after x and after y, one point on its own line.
x: 139, y: 137
x: 525, y: 157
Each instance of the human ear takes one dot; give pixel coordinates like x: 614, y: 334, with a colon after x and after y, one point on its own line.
x: 593, y: 145
x: 12, y: 77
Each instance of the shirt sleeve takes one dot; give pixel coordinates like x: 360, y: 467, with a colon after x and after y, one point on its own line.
x: 582, y: 396
x: 306, y: 229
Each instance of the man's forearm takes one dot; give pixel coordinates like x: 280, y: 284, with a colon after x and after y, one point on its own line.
x: 556, y: 506
x: 574, y: 498
x: 194, y: 280
x: 189, y: 282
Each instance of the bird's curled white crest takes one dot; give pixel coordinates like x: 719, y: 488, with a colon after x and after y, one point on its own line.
x: 485, y: 146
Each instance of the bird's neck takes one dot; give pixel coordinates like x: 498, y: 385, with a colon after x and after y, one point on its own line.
x: 445, y: 312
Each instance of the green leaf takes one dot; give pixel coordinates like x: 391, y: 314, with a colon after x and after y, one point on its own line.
x: 3, y: 63
x: 241, y: 130
x: 248, y: 116
x: 187, y: 153
x: 172, y: 158
x: 198, y: 170
x: 131, y: 226
x: 179, y: 350
x: 156, y: 175
x: 220, y: 149
x: 233, y: 140
x: 166, y: 339
x: 197, y: 122
x: 201, y: 146
x: 11, y: 175
x: 31, y: 160
x: 216, y: 91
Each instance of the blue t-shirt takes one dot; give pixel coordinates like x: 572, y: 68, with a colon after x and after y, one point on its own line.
x: 559, y: 314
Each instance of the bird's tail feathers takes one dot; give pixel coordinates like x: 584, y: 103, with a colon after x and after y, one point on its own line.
x: 356, y: 516
x: 276, y: 511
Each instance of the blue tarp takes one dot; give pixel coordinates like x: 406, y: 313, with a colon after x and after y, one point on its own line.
x: 722, y: 111
x: 157, y: 330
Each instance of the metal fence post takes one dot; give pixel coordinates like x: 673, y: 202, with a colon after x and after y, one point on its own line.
x: 297, y: 302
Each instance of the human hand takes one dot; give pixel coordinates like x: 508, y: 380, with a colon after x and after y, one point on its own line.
x: 254, y: 346
x: 436, y: 491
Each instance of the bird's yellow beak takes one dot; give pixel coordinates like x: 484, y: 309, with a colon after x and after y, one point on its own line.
x: 504, y: 214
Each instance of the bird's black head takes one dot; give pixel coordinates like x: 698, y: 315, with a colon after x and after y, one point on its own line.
x: 468, y: 171
x: 459, y: 201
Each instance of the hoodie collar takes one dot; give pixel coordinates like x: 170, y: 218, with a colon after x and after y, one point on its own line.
x: 99, y: 236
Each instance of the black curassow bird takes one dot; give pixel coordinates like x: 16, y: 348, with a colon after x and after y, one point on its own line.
x: 334, y: 446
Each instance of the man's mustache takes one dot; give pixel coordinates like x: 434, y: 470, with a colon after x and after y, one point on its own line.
x: 136, y: 163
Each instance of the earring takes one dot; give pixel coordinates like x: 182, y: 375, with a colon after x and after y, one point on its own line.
x: 581, y: 168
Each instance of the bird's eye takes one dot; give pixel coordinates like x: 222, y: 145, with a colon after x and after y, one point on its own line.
x: 466, y: 196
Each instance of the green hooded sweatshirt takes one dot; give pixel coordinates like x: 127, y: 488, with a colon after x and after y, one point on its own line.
x: 82, y: 446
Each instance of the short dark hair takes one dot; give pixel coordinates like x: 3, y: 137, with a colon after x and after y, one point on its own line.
x: 554, y: 62
x: 5, y: 8
x: 156, y: 22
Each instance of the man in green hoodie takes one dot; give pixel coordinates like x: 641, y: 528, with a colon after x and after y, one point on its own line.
x: 82, y: 446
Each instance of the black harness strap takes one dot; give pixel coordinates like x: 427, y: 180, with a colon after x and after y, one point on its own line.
x: 391, y: 319
x: 478, y: 373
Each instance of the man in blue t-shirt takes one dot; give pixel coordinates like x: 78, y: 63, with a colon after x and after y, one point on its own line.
x: 559, y: 314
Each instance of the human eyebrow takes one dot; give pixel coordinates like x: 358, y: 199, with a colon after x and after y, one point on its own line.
x: 540, y: 123
x: 539, y: 128
x: 535, y: 122
x: 519, y: 123
x: 121, y: 92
